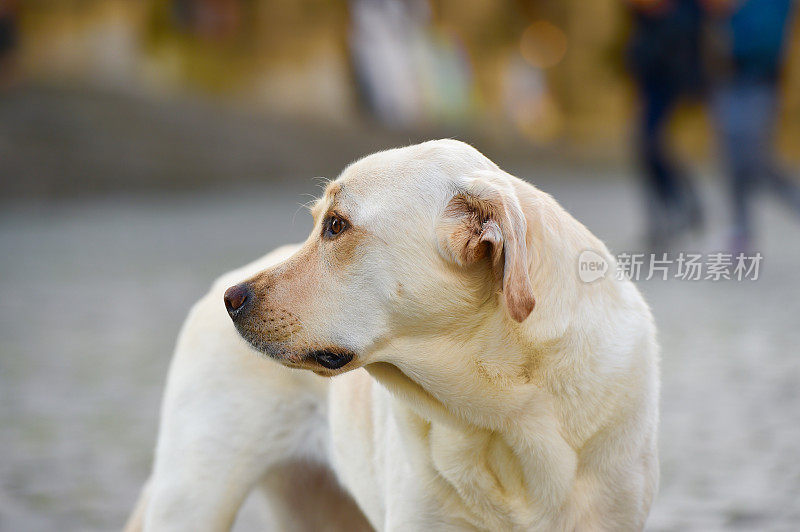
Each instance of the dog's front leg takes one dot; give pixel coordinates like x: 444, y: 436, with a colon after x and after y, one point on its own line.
x: 228, y: 416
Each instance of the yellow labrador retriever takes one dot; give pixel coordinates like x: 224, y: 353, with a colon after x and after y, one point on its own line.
x: 480, y: 383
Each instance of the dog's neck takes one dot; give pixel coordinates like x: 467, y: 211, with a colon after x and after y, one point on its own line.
x: 471, y: 384
x: 488, y: 405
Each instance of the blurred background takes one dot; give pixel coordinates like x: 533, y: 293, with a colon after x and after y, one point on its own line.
x: 146, y: 146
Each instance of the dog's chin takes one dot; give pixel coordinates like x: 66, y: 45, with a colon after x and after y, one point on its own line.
x: 326, y: 361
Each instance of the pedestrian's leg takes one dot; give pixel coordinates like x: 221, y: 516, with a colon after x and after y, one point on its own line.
x: 739, y: 134
x: 690, y: 204
x: 660, y: 184
x: 742, y: 182
x: 660, y: 174
x: 784, y: 187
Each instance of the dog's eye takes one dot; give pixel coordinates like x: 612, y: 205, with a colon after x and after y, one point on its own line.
x: 333, y: 226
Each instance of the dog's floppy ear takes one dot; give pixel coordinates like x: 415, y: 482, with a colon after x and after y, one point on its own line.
x: 485, y: 221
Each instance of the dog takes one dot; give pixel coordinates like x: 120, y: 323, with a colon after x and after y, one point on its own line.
x: 478, y: 382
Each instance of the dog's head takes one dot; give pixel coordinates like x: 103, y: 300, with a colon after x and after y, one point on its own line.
x: 422, y: 240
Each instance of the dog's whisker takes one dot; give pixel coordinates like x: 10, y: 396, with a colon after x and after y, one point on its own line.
x: 307, y: 206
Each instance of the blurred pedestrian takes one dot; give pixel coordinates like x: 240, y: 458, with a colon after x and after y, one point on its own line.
x: 384, y: 36
x: 665, y: 61
x: 8, y: 40
x: 408, y: 71
x: 747, y: 69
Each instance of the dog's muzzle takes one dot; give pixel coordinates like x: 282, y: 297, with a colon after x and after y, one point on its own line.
x: 241, y: 304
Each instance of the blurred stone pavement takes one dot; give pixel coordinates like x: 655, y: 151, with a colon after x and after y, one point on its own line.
x: 94, y: 289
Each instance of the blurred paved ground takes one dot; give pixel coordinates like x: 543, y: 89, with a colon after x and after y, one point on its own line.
x: 94, y: 293
x: 94, y: 290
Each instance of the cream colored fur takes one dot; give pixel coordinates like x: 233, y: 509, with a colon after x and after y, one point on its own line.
x: 491, y: 389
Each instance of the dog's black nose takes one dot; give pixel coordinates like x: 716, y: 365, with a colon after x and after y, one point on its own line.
x: 235, y: 298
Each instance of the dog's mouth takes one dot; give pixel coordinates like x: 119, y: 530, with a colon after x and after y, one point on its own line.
x: 330, y: 359
x: 324, y: 361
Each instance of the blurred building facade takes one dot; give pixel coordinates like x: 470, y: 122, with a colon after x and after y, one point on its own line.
x: 549, y: 70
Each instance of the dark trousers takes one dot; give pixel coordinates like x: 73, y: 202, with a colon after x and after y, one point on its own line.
x: 669, y: 192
